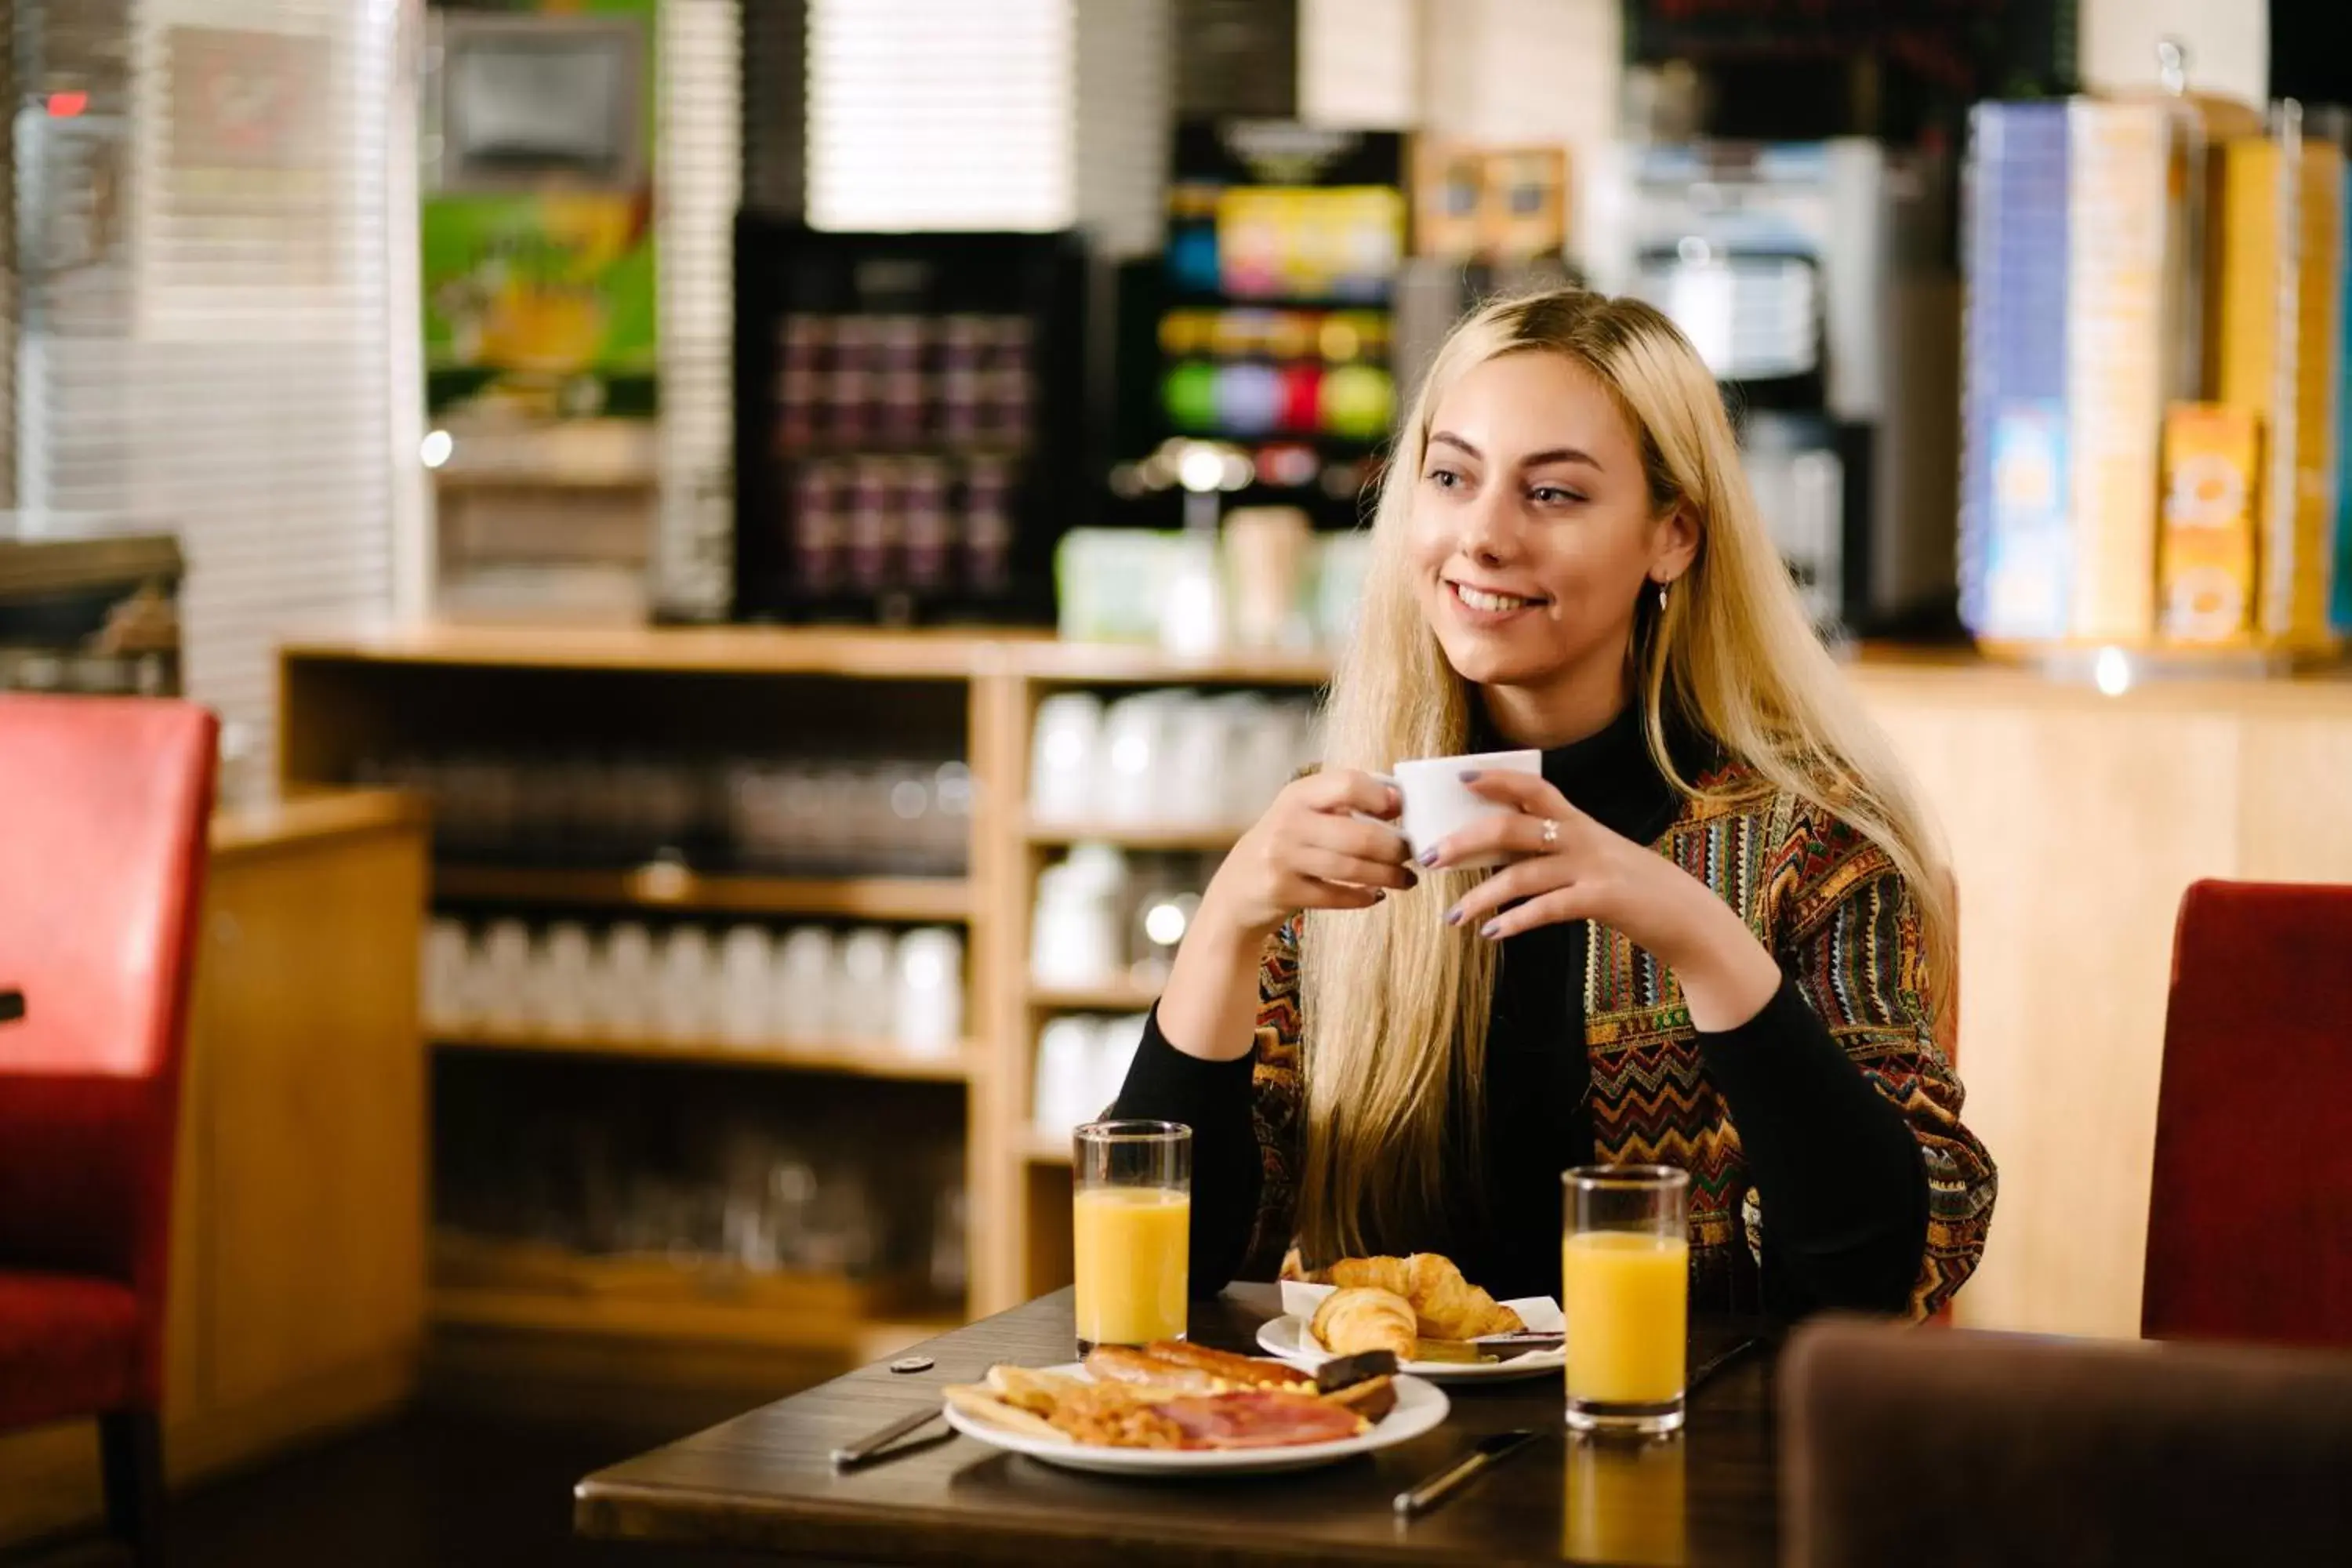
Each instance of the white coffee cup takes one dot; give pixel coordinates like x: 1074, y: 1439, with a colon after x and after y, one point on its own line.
x: 1438, y: 804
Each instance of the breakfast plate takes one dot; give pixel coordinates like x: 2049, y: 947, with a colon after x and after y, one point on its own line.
x: 1419, y: 1408
x: 1287, y: 1338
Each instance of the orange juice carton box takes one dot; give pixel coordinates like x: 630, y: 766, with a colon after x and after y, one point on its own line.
x: 2210, y: 529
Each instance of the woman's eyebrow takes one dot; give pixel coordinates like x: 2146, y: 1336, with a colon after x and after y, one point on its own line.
x: 1532, y: 460
x: 1561, y: 455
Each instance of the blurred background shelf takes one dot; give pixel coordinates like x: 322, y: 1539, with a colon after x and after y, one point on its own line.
x: 1113, y: 664
x: 497, y: 1282
x: 1044, y: 1146
x: 1173, y: 839
x: 746, y: 1323
x: 878, y: 1061
x: 750, y: 1324
x: 667, y: 887
x: 855, y: 652
x: 1114, y: 996
x: 481, y: 1283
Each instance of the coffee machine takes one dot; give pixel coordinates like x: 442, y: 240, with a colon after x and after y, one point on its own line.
x: 1818, y: 280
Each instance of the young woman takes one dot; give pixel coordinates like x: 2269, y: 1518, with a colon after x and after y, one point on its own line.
x: 1723, y: 937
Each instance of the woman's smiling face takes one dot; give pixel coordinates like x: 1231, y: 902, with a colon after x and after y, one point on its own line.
x: 1532, y: 533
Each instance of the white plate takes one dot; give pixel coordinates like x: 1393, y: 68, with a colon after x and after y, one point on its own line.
x: 1419, y: 1407
x: 1289, y: 1339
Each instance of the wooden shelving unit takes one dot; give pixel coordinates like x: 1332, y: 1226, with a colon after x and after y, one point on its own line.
x: 856, y: 1341
x: 663, y: 886
x: 1115, y: 996
x: 1035, y: 1230
x: 871, y: 1060
x: 1143, y: 836
x: 536, y: 1288
x: 455, y: 687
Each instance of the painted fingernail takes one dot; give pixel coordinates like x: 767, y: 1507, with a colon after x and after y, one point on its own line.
x: 1491, y: 930
x: 1454, y: 917
x: 1429, y: 856
x: 1470, y: 775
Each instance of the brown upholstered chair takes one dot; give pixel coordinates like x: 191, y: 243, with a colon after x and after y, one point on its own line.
x: 1962, y: 1449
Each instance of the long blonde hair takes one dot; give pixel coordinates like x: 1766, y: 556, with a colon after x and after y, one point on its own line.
x: 1396, y: 1002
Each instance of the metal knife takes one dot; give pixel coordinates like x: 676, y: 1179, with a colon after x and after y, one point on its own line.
x: 1490, y: 1451
x: 865, y: 1447
x: 1718, y: 1362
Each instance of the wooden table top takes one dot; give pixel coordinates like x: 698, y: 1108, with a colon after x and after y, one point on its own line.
x: 764, y: 1480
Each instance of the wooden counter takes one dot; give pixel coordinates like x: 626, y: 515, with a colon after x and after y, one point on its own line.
x: 2075, y: 821
x: 297, y: 1287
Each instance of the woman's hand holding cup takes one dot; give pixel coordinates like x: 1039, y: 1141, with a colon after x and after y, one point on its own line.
x: 1313, y: 849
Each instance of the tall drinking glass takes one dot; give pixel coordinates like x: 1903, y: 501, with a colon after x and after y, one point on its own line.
x: 1132, y: 1228
x: 1624, y: 1271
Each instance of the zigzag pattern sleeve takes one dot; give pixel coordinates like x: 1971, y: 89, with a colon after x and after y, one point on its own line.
x: 1278, y: 1103
x: 1850, y: 935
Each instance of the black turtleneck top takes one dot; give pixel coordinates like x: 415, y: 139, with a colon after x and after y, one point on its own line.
x: 1834, y: 1163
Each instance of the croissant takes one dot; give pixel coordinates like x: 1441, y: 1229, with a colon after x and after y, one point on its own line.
x: 1446, y: 1306
x: 1349, y: 1321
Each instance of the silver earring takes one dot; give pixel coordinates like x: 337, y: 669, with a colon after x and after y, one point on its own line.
x: 1662, y: 597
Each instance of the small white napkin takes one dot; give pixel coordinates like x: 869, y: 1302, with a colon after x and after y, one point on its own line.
x: 1541, y: 1314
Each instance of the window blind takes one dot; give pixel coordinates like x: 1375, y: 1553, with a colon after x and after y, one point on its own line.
x: 1360, y: 64
x: 698, y: 183
x: 1503, y: 72
x: 205, y: 325
x: 1019, y: 114
x: 940, y: 114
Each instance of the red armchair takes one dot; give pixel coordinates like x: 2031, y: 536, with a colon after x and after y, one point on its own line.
x: 103, y: 807
x: 2250, y: 1213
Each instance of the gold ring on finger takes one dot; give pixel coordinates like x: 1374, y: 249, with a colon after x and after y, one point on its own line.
x: 1551, y: 833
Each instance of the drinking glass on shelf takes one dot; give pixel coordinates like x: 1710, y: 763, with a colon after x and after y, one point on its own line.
x: 746, y: 960
x: 862, y: 999
x: 447, y: 975
x: 1131, y: 1231
x: 685, y: 993
x: 951, y: 802
x: 628, y: 977
x: 1065, y: 752
x: 504, y: 970
x: 1063, y: 1094
x: 562, y: 972
x: 1625, y: 1292
x: 1115, y: 1042
x: 927, y: 1014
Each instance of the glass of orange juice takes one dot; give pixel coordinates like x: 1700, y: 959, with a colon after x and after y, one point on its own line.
x: 1132, y: 1230
x: 1624, y: 1289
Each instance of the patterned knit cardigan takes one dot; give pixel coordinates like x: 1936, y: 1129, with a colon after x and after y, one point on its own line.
x: 1831, y: 907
